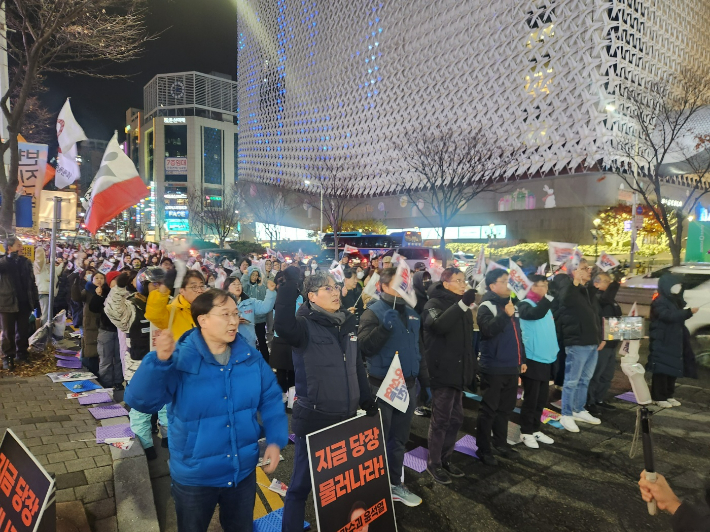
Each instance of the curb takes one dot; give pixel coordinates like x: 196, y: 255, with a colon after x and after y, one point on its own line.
x: 135, y: 505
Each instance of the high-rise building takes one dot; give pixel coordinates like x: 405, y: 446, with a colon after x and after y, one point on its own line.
x: 185, y: 139
x: 346, y: 81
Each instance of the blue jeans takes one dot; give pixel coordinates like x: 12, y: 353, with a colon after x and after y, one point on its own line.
x: 195, y: 506
x: 579, y: 370
x: 298, y: 490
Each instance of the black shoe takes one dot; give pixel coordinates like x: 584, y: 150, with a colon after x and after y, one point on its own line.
x: 23, y: 361
x: 151, y: 453
x: 594, y: 410
x: 506, y: 451
x: 452, y: 470
x: 489, y: 460
x: 164, y: 442
x: 439, y: 475
x: 8, y: 365
x: 606, y: 406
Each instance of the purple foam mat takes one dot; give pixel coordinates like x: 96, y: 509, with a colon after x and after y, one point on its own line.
x: 95, y: 399
x: 72, y: 364
x: 520, y: 393
x: 67, y: 352
x: 292, y: 437
x: 81, y: 386
x: 416, y: 459
x: 467, y: 445
x: 114, y: 431
x: 66, y: 357
x: 628, y: 396
x: 106, y: 412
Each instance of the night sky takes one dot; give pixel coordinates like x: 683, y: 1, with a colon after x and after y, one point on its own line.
x: 196, y: 35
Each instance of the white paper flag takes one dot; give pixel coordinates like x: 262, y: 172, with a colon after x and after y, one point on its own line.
x: 518, y: 281
x: 69, y: 132
x: 338, y: 273
x: 106, y: 267
x: 606, y: 262
x: 541, y: 269
x: 394, y: 388
x: 404, y: 283
x: 560, y: 252
x: 371, y: 286
x: 67, y: 168
x: 479, y: 268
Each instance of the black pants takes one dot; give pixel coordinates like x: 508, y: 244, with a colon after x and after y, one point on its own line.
x: 15, y: 334
x: 500, y: 392
x: 603, y: 375
x: 285, y: 378
x: 662, y: 387
x: 535, y: 395
x: 446, y: 420
x: 260, y: 329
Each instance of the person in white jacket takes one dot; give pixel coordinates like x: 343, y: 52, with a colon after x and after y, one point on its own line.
x: 41, y: 268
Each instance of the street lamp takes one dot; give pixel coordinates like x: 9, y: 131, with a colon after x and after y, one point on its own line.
x: 597, y: 222
x: 307, y: 183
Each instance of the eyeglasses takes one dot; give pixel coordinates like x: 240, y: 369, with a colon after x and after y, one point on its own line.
x: 459, y: 281
x: 227, y: 316
x: 197, y: 287
x: 330, y: 289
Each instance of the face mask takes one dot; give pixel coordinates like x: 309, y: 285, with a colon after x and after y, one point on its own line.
x: 211, y: 283
x: 426, y: 284
x: 360, y: 275
x: 88, y: 277
x: 676, y: 288
x: 307, y: 273
x: 314, y: 266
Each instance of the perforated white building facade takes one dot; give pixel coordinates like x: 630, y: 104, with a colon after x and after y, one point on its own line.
x: 345, y: 80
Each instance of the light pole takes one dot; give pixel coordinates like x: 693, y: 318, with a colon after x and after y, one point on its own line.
x: 307, y: 183
x: 597, y: 222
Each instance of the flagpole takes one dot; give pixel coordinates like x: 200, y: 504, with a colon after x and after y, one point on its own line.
x: 53, y: 256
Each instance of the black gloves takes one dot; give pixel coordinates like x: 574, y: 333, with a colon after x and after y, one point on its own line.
x: 370, y: 407
x: 469, y: 297
x: 122, y: 280
x: 389, y: 319
x: 170, y: 277
x: 292, y: 273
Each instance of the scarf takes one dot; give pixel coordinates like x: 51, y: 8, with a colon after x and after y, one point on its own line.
x: 338, y: 317
x: 532, y: 296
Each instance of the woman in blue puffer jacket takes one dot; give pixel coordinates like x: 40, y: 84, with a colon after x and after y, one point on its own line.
x: 215, y: 384
x: 250, y: 307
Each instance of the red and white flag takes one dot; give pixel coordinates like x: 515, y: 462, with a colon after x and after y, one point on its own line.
x: 69, y: 131
x: 116, y: 187
x: 350, y: 249
x: 338, y: 273
x: 606, y: 262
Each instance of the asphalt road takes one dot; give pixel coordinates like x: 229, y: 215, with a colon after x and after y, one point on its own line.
x: 584, y: 482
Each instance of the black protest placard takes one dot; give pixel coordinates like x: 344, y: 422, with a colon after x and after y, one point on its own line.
x: 24, y: 486
x: 351, y: 485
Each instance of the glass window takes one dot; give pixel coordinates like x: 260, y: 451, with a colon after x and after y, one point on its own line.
x: 236, y: 157
x: 149, y: 155
x: 175, y: 141
x: 414, y: 254
x: 212, y: 155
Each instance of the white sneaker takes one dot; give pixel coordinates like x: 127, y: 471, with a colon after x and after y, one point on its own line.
x: 284, y: 397
x: 530, y: 441
x: 586, y: 417
x: 674, y: 402
x: 543, y: 438
x: 568, y: 423
x: 664, y: 404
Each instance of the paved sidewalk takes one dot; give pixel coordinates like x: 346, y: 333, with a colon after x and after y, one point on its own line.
x: 52, y: 427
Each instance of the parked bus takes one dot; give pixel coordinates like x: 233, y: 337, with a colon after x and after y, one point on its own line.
x: 378, y: 243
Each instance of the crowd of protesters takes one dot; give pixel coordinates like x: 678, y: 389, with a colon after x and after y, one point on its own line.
x: 242, y: 334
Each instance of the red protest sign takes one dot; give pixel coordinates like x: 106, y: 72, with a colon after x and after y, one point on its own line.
x: 25, y: 487
x: 351, y: 486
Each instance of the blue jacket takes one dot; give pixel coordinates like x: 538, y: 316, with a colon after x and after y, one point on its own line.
x: 250, y: 309
x: 212, y: 409
x: 502, y: 350
x: 404, y: 338
x: 538, y: 327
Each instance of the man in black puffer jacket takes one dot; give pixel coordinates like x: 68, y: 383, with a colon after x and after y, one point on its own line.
x: 448, y: 346
x: 502, y: 360
x: 331, y: 380
x: 605, y: 291
x: 582, y: 338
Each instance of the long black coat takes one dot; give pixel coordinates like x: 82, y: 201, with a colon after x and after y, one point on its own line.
x: 448, y: 340
x: 667, y: 332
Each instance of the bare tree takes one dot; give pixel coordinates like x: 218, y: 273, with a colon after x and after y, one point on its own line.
x: 339, y: 196
x: 269, y: 205
x: 665, y: 143
x: 67, y: 36
x: 215, y: 217
x: 448, y: 169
